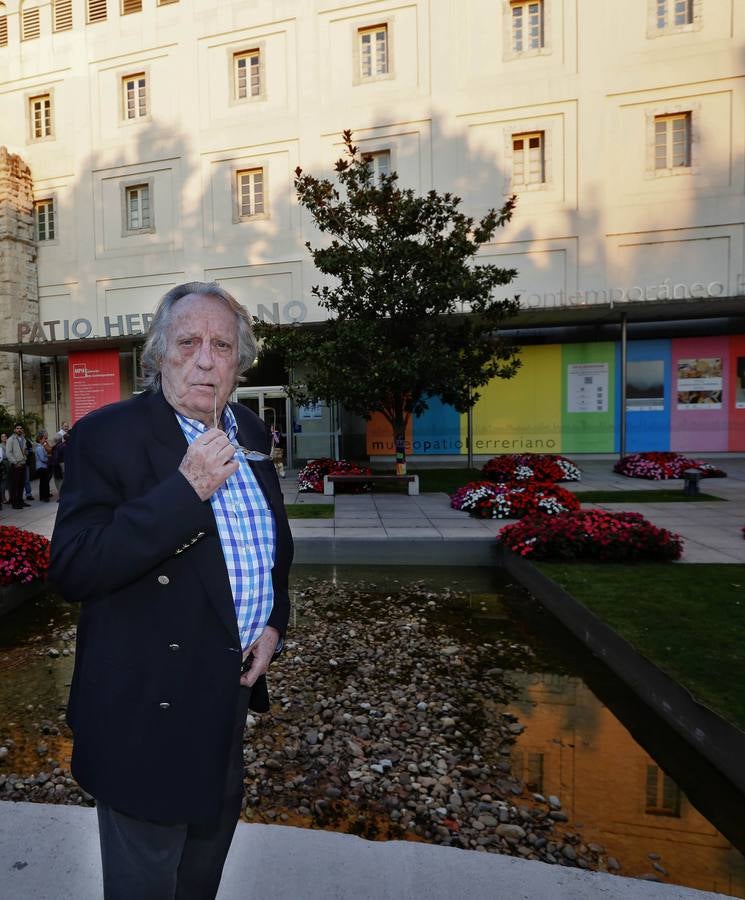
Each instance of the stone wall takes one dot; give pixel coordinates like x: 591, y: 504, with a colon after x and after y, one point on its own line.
x: 19, y: 296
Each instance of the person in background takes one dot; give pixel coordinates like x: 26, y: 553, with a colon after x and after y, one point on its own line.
x: 4, y: 469
x: 58, y: 462
x: 30, y: 467
x: 16, y: 449
x: 43, y: 451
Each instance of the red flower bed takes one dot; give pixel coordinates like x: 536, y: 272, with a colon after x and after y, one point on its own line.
x: 592, y: 535
x: 539, y: 467
x: 487, y: 500
x: 310, y: 477
x: 24, y: 556
x: 659, y: 466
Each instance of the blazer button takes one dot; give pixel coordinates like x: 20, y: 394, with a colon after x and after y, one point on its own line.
x: 163, y: 579
x: 164, y: 705
x: 174, y: 647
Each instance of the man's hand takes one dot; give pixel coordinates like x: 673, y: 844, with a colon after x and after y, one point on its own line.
x: 263, y: 650
x: 209, y: 462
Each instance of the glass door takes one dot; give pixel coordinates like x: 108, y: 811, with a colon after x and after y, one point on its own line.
x: 273, y: 406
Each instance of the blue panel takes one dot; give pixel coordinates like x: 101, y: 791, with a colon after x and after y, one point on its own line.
x: 437, y: 430
x: 647, y: 428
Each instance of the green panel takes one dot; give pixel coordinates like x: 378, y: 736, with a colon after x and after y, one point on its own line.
x: 588, y: 396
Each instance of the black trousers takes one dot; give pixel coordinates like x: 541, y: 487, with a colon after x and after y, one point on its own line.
x: 152, y: 861
x: 44, y: 476
x: 16, y: 480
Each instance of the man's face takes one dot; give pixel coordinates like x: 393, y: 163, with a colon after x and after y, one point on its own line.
x: 201, y: 355
x: 19, y: 430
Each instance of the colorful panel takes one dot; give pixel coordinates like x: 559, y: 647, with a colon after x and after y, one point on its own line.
x: 700, y: 393
x: 736, y: 393
x: 380, y: 437
x: 438, y: 430
x: 520, y: 414
x: 648, y: 395
x: 589, y: 410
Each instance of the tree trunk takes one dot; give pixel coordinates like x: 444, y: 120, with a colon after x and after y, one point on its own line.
x: 399, y: 442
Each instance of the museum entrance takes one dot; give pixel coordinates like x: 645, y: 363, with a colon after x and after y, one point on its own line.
x: 273, y: 406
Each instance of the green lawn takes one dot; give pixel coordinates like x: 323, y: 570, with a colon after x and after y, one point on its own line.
x: 687, y: 619
x: 651, y: 496
x: 447, y: 480
x: 309, y: 510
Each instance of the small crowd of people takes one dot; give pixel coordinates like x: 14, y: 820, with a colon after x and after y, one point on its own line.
x: 23, y: 460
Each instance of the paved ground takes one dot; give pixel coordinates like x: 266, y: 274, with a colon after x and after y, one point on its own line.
x: 51, y: 852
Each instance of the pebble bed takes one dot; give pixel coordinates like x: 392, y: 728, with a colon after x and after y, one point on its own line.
x: 387, y: 722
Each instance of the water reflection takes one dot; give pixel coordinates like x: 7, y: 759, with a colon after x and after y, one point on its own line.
x: 612, y: 790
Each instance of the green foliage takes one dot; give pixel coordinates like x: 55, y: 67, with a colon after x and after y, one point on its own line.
x: 402, y: 271
x: 30, y: 421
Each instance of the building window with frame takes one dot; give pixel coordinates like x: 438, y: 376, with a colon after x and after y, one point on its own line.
x: 247, y: 74
x: 138, y: 215
x: 131, y: 6
x: 662, y: 794
x: 62, y: 15
x: 44, y: 220
x: 672, y: 142
x: 40, y: 113
x: 527, y: 25
x: 3, y: 25
x: 30, y: 23
x: 250, y: 190
x: 374, y: 51
x: 96, y: 11
x: 673, y: 14
x: 380, y: 162
x: 528, y: 159
x: 166, y: 2
x: 134, y: 96
x: 47, y: 382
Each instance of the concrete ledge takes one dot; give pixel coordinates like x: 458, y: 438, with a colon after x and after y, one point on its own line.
x: 51, y: 853
x: 385, y: 551
x: 717, y: 740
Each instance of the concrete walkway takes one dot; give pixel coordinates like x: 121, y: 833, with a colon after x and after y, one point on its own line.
x: 51, y: 852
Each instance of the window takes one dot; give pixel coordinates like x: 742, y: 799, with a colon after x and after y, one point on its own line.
x: 247, y: 74
x: 134, y: 95
x: 527, y: 25
x: 250, y: 192
x: 528, y: 159
x: 672, y: 141
x: 62, y: 15
x: 373, y: 49
x: 44, y: 220
x: 47, y: 382
x: 662, y: 795
x: 30, y: 23
x: 380, y: 161
x: 166, y: 2
x: 131, y: 6
x: 137, y: 199
x: 671, y: 14
x: 3, y: 26
x: 40, y: 111
x: 96, y: 11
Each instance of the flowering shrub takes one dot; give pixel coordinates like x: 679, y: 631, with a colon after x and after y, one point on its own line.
x: 540, y: 467
x: 24, y: 556
x: 661, y: 466
x: 592, y: 534
x: 487, y: 500
x: 310, y: 477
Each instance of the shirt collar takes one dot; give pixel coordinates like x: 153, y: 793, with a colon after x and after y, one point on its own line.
x: 228, y: 420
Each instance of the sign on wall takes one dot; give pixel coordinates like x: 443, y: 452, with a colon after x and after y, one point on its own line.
x: 587, y: 387
x: 94, y: 381
x: 700, y: 383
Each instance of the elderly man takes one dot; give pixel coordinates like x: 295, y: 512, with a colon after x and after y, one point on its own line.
x: 179, y: 550
x: 16, y: 451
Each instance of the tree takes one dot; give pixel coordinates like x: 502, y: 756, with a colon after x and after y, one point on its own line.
x: 411, y: 316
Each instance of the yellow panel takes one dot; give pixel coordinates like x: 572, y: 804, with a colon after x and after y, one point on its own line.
x: 521, y: 414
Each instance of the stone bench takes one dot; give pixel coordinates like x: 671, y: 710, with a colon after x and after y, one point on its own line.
x: 411, y: 482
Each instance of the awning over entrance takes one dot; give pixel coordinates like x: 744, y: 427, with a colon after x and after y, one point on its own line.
x: 64, y: 348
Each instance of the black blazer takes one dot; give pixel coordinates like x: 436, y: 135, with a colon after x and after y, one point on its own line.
x: 156, y: 679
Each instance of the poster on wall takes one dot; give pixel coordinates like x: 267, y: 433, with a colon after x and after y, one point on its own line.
x: 94, y: 381
x: 740, y: 383
x: 645, y: 385
x: 700, y: 383
x: 311, y: 410
x: 587, y: 387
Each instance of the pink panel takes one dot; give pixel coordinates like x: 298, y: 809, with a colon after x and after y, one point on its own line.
x: 703, y: 424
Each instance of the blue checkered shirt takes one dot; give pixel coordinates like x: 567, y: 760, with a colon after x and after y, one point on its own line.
x: 246, y: 528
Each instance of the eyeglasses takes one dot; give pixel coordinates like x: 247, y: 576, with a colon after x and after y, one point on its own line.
x: 250, y: 455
